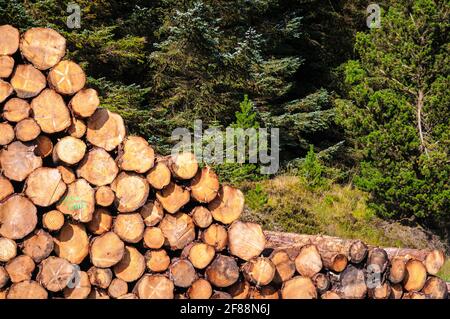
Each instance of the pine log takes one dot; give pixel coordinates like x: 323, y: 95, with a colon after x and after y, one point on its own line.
x: 228, y: 205
x: 45, y: 186
x: 284, y: 266
x: 330, y: 295
x: 53, y: 220
x: 201, y: 216
x: 44, y: 147
x: 215, y: 235
x: 7, y: 134
x: 201, y: 255
x: 72, y: 243
x: 414, y: 295
x: 240, y: 289
x: 137, y: 155
x: 434, y: 261
x: 153, y: 238
x: 259, y: 271
x: 55, y: 273
x: 397, y: 270
x: 173, y: 197
x: 352, y: 283
x: 6, y: 66
x: 435, y: 288
x: 85, y: 103
x: 101, y: 222
x: 267, y: 292
x: 28, y: 289
x: 79, y: 201
x: 106, y: 250
x: 6, y: 188
x: 81, y: 290
x: 28, y: 81
x: 245, y: 240
x: 38, y: 246
x: 77, y: 129
x: 200, y: 289
x: 132, y: 265
x: 129, y: 227
x: 69, y: 150
x: 382, y: 291
x: 322, y: 282
x: 50, y: 112
x: 154, y: 287
x: 9, y: 42
x: 104, y: 196
x: 8, y: 249
x: 182, y: 273
x: 222, y: 272
x: 27, y: 130
x: 157, y: 260
x: 378, y: 260
x: 396, y: 291
x: 100, y: 277
x: 299, y: 288
x: 117, y: 288
x: 205, y: 185
x: 131, y: 192
x: 98, y: 167
x: 4, y: 277
x: 105, y: 129
x: 67, y: 174
x: 178, y: 229
x: 152, y: 212
x: 18, y: 217
x: 415, y: 277
x: 183, y: 165
x: 159, y: 175
x: 98, y: 293
x: 16, y: 110
x: 6, y: 90
x: 220, y: 295
x: 20, y: 268
x: 66, y: 78
x: 128, y: 296
x: 43, y: 47
x: 308, y: 262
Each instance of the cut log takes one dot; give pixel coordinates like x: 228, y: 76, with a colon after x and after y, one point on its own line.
x: 157, y: 260
x: 27, y: 130
x: 154, y: 287
x: 173, y: 197
x: 434, y: 261
x: 228, y: 205
x: 215, y: 235
x: 68, y: 176
x: 55, y: 273
x: 8, y: 249
x: 330, y: 295
x: 72, y: 243
x: 53, y: 220
x: 6, y: 66
x: 240, y: 289
x: 183, y: 165
x: 299, y: 288
x: 352, y: 283
x: 79, y: 201
x: 128, y: 296
x: 182, y: 273
x: 284, y: 266
x: 129, y: 227
x: 308, y: 262
x: 259, y: 271
x: 222, y: 272
x: 416, y: 275
x: 267, y: 292
x: 397, y: 270
x: 45, y: 186
x: 152, y: 213
x: 6, y: 90
x: 104, y: 196
x: 221, y: 295
x: 85, y: 103
x: 28, y: 289
x: 106, y: 250
x: 98, y: 167
x: 43, y: 47
x: 201, y: 255
x: 4, y: 277
x: 245, y: 240
x: 9, y: 42
x: 378, y: 260
x: 153, y: 238
x: 18, y: 217
x: 132, y: 265
x: 105, y: 129
x: 98, y: 293
x: 117, y: 288
x: 6, y: 188
x: 322, y: 282
x: 39, y: 246
x: 69, y: 150
x: 205, y: 185
x: 101, y: 222
x: 414, y: 295
x: 16, y: 110
x: 382, y: 291
x: 44, y: 147
x: 81, y: 290
x: 28, y: 81
x: 50, y: 112
x: 178, y: 229
x: 201, y: 216
x: 137, y: 155
x: 131, y: 192
x: 159, y: 175
x: 77, y: 129
x: 200, y: 289
x: 435, y: 288
x: 6, y: 134
x: 396, y: 291
x: 66, y: 77
x: 100, y: 277
x: 20, y: 268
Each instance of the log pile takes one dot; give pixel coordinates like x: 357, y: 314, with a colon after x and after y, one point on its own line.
x: 87, y: 211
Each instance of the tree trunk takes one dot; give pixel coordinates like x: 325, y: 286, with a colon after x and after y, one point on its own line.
x: 104, y: 196
x: 7, y: 134
x: 117, y: 288
x: 106, y: 250
x: 6, y: 66
x: 159, y: 175
x: 18, y: 217
x: 222, y: 272
x: 205, y: 185
x: 201, y: 216
x: 259, y: 271
x: 284, y: 266
x: 382, y: 291
x: 322, y: 282
x: 228, y: 205
x: 129, y: 227
x: 105, y: 129
x: 9, y: 42
x: 352, y: 283
x: 20, y: 268
x: 201, y: 255
x: 137, y: 155
x: 435, y: 288
x: 45, y: 186
x: 397, y: 270
x: 299, y: 288
x: 6, y: 188
x: 101, y: 222
x: 6, y: 90
x: 80, y: 291
x: 39, y: 246
x: 27, y: 130
x: 178, y: 229
x: 53, y: 220
x: 69, y: 150
x: 8, y: 249
x: 18, y: 161
x: 79, y: 201
x: 44, y: 147
x: 152, y: 212
x: 182, y: 273
x: 200, y: 289
x: 157, y: 260
x: 77, y: 129
x: 28, y: 81
x: 416, y: 275
x: 240, y: 289
x: 215, y: 235
x: 132, y: 265
x: 245, y: 240
x: 173, y: 197
x: 153, y: 238
x: 100, y: 277
x: 131, y: 192
x: 28, y: 289
x: 98, y: 167
x: 85, y: 103
x: 66, y: 78
x: 16, y: 110
x: 50, y: 112
x: 55, y: 273
x: 308, y: 261
x: 154, y: 287
x: 183, y: 165
x: 72, y: 243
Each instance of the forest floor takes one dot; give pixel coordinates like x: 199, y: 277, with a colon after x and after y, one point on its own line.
x: 286, y: 203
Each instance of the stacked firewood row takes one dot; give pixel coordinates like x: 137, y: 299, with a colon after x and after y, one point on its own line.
x: 87, y: 211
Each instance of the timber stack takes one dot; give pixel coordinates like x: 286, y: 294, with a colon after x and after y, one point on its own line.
x: 87, y: 211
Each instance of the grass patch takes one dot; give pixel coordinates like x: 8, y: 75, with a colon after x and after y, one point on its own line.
x: 444, y: 273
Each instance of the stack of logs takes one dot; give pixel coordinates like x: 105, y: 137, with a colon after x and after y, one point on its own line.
x: 89, y: 212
